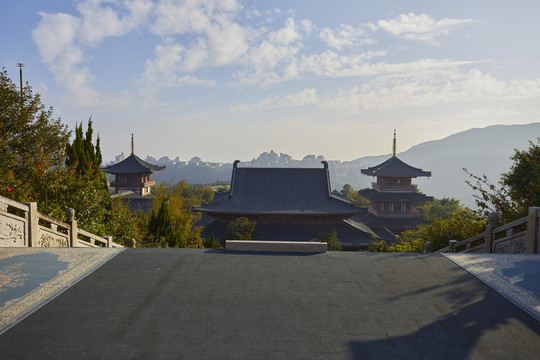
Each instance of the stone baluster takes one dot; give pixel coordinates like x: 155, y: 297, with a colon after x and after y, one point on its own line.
x: 490, y: 236
x: 73, y: 240
x: 33, y: 239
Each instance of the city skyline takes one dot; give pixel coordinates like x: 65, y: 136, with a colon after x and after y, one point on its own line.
x: 226, y: 80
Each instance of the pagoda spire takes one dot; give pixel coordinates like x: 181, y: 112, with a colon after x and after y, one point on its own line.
x: 394, y: 146
x: 132, y: 145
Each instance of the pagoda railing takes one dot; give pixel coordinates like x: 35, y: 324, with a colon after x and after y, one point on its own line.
x: 22, y: 225
x: 394, y: 188
x: 519, y: 236
x: 394, y: 213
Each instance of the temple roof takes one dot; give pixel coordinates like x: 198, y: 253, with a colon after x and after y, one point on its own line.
x: 395, y: 167
x: 132, y: 165
x: 372, y: 194
x: 280, y: 191
x: 350, y: 234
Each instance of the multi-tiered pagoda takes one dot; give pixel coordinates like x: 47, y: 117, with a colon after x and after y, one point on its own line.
x: 393, y: 196
x: 133, y: 174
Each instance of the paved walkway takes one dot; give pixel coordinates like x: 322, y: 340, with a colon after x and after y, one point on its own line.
x: 201, y: 304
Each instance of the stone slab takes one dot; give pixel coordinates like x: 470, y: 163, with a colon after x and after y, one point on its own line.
x: 30, y: 277
x: 515, y: 276
x: 212, y: 304
x: 276, y: 246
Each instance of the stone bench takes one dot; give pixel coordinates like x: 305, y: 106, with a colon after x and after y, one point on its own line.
x: 276, y: 246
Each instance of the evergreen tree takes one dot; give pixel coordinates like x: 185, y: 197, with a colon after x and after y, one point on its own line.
x: 32, y: 143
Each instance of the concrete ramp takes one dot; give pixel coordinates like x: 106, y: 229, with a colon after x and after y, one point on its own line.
x: 201, y: 304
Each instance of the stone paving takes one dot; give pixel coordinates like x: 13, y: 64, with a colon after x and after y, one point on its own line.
x: 206, y: 304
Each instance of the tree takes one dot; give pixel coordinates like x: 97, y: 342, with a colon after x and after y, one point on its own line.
x: 331, y: 239
x: 35, y: 165
x: 240, y: 229
x: 449, y: 221
x: 82, y: 153
x: 212, y: 243
x: 353, y: 196
x: 32, y: 143
x: 175, y: 209
x: 161, y: 230
x: 517, y: 190
x: 439, y: 209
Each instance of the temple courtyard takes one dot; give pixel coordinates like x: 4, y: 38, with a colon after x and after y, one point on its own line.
x: 211, y: 304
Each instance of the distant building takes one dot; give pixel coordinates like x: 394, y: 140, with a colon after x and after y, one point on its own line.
x: 132, y: 180
x: 287, y: 204
x: 393, y: 197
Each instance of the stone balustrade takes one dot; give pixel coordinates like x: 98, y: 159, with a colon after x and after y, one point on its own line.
x: 520, y: 236
x: 22, y: 225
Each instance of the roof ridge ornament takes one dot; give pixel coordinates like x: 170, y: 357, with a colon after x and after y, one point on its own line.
x: 132, y: 145
x: 394, y: 146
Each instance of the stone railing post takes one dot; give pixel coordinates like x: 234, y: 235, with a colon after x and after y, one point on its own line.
x: 490, y: 236
x: 70, y: 213
x: 133, y: 243
x: 451, y: 245
x: 109, y: 241
x: 427, y: 247
x: 33, y: 240
x: 533, y: 236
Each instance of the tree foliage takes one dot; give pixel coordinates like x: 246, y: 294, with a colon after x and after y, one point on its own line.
x: 172, y: 223
x: 449, y: 221
x: 240, y: 229
x: 38, y: 164
x: 32, y: 143
x: 516, y: 191
x: 353, y: 196
x: 439, y: 209
x: 331, y: 239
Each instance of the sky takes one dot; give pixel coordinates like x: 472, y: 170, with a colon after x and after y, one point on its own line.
x: 230, y: 79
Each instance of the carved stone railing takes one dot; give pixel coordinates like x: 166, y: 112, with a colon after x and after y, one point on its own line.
x: 517, y: 237
x: 22, y: 225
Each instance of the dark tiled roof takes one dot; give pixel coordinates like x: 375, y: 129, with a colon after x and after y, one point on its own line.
x: 394, y: 224
x: 372, y: 194
x: 395, y: 167
x: 291, y: 191
x: 132, y: 165
x: 349, y: 235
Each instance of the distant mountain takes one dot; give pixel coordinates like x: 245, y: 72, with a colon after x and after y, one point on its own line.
x: 480, y: 150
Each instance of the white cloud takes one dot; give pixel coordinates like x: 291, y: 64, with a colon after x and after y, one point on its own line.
x: 287, y: 34
x: 411, y: 90
x: 419, y: 27
x: 305, y: 97
x: 343, y: 37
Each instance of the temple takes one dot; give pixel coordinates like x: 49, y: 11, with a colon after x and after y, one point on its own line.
x: 133, y: 174
x: 393, y: 197
x: 287, y: 204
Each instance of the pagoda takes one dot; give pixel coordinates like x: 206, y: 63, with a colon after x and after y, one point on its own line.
x: 133, y: 174
x: 393, y: 196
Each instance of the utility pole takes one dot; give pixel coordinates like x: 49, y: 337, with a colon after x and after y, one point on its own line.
x: 21, y: 65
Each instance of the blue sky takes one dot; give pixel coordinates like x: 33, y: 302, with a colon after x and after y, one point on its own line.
x: 229, y: 79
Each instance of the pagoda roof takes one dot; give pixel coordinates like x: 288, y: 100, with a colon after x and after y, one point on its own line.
x: 280, y: 191
x: 132, y: 165
x: 396, y: 168
x: 376, y: 223
x: 374, y: 195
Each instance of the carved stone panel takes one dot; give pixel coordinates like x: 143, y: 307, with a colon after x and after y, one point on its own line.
x: 13, y: 232
x: 49, y: 238
x: 512, y: 246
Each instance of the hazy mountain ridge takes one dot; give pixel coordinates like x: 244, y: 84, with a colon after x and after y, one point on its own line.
x: 480, y: 150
